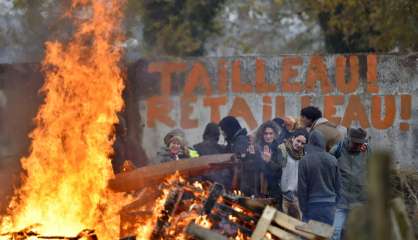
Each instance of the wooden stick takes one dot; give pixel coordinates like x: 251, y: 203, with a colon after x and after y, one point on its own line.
x: 202, y: 233
x: 154, y: 174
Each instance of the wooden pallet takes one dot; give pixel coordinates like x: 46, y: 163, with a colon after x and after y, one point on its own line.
x: 287, y: 228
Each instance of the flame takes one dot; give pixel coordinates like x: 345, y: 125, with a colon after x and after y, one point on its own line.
x: 68, y: 168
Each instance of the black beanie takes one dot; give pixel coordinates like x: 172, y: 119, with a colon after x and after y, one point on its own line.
x: 211, y: 132
x: 230, y: 126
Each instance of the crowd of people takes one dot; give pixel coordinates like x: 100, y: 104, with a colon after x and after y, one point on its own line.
x: 314, y: 169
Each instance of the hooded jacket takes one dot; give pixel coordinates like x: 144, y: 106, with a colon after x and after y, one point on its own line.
x: 236, y: 136
x: 330, y: 132
x: 210, y: 141
x: 319, y: 179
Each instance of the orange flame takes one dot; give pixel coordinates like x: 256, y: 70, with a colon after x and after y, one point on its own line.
x: 68, y: 168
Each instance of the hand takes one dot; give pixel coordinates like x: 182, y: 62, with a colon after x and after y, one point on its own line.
x: 251, y: 149
x: 266, y: 153
x: 363, y: 147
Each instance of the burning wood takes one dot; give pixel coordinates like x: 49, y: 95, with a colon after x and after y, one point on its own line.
x: 28, y: 233
x: 154, y: 174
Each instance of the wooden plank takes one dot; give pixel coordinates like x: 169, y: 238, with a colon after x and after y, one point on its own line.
x: 201, y: 233
x: 263, y: 223
x: 282, y: 234
x: 154, y: 174
x: 320, y: 229
x: 290, y: 224
x: 400, y: 220
x: 379, y: 195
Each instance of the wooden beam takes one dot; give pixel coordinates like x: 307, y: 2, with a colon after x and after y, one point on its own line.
x: 202, y: 233
x: 290, y: 224
x: 322, y: 230
x: 154, y: 174
x: 282, y: 234
x: 263, y: 223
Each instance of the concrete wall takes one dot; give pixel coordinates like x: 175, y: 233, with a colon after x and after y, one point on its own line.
x: 379, y: 93
x: 376, y: 92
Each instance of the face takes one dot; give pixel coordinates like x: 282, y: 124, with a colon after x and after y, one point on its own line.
x: 354, y: 147
x: 306, y: 121
x: 269, y: 135
x: 174, y: 147
x: 298, y: 142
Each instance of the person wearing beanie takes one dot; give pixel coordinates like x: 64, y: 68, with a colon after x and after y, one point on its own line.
x: 352, y: 155
x: 238, y: 143
x: 175, y: 147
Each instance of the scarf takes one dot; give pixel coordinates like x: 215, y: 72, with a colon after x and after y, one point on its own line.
x: 297, y: 155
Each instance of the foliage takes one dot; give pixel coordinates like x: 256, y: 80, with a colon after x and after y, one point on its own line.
x: 363, y: 26
x: 179, y: 27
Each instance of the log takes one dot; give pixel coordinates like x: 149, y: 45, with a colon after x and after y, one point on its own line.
x: 155, y: 174
x: 202, y: 233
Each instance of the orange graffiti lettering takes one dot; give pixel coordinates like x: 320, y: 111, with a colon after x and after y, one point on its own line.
x: 355, y: 112
x: 261, y: 85
x: 305, y: 101
x: 186, y: 110
x: 166, y: 69
x: 214, y: 103
x: 222, y: 77
x: 317, y: 71
x: 240, y: 108
x: 289, y: 72
x: 342, y: 85
x: 280, y: 106
x: 372, y: 86
x: 267, y: 111
x: 158, y: 109
x: 330, y: 103
x: 198, y: 77
x: 237, y: 85
x: 376, y: 112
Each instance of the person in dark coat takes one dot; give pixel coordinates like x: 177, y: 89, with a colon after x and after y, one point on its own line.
x: 210, y: 143
x: 318, y: 181
x: 237, y: 143
x: 211, y: 146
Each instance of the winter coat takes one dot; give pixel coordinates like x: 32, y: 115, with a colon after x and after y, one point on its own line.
x: 222, y: 176
x: 164, y: 155
x: 330, y: 132
x: 209, y: 147
x: 353, y: 173
x: 318, y: 180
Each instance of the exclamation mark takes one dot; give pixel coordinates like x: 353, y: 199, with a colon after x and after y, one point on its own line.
x: 406, y: 106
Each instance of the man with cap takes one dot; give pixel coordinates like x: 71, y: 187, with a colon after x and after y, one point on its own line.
x: 352, y: 154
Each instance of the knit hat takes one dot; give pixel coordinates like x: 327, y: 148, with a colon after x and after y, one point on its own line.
x: 357, y: 135
x: 211, y: 132
x: 175, y: 134
x: 230, y: 126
